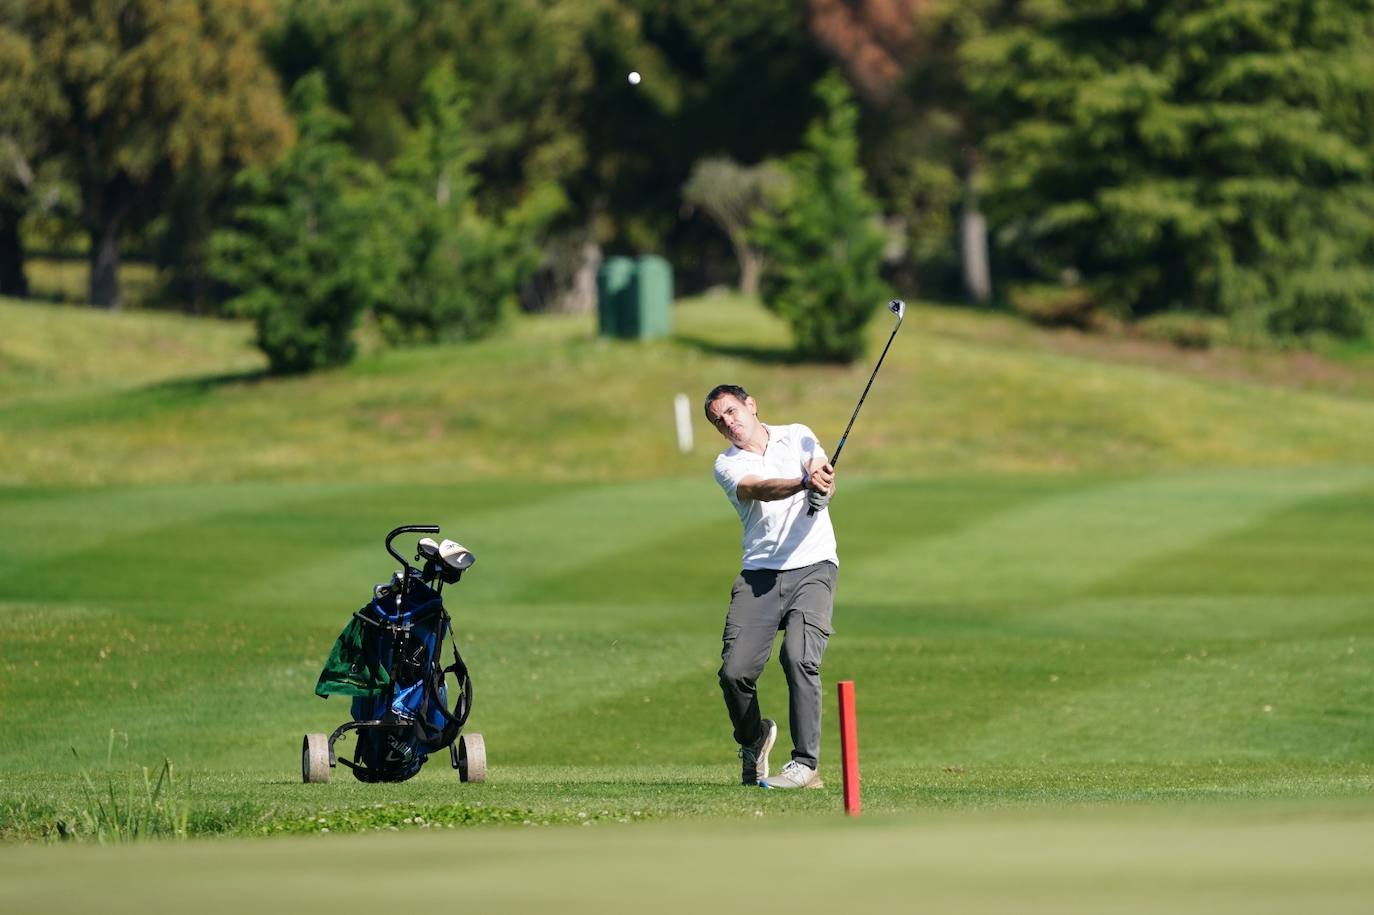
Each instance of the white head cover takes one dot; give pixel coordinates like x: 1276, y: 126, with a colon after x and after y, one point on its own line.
x: 455, y: 555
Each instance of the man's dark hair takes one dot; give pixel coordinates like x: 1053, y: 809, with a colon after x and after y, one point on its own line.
x: 720, y: 391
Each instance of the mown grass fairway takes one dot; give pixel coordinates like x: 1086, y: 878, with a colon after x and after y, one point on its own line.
x: 1108, y: 649
x: 1043, y: 640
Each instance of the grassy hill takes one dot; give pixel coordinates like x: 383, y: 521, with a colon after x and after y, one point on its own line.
x: 94, y: 398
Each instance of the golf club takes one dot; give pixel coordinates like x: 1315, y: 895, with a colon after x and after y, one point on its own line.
x: 898, y: 308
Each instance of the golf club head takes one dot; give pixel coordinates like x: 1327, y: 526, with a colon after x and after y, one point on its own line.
x: 898, y: 308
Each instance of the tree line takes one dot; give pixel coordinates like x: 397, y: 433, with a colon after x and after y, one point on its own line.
x: 305, y: 162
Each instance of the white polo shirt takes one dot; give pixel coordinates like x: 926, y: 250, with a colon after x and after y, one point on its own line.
x: 778, y: 535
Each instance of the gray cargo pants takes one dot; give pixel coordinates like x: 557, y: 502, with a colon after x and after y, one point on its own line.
x: 799, y: 602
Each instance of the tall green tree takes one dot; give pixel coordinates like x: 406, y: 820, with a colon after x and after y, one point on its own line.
x: 731, y: 194
x: 550, y: 100
x: 923, y: 148
x: 823, y: 240
x: 303, y: 254
x: 526, y: 59
x: 455, y: 269
x: 146, y: 90
x: 28, y: 98
x: 16, y: 155
x: 1213, y: 157
x: 528, y: 66
x: 714, y: 73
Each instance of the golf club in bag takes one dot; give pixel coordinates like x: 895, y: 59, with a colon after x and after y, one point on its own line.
x: 389, y: 658
x: 898, y: 308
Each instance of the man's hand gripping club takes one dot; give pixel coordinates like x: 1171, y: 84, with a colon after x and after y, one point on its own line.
x: 819, y: 483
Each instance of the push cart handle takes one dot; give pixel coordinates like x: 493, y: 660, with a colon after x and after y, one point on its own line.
x: 409, y: 528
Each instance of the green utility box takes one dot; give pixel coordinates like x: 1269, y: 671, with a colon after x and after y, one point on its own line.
x: 634, y: 298
x: 614, y: 287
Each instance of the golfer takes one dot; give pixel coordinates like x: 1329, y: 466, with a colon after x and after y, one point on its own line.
x: 772, y: 475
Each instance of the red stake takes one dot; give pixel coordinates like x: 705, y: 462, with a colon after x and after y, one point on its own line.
x: 849, y: 748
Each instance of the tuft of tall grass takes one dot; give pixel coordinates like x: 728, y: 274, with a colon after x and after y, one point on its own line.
x: 143, y: 807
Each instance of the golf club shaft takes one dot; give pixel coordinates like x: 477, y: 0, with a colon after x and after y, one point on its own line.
x: 835, y: 458
x: 898, y: 308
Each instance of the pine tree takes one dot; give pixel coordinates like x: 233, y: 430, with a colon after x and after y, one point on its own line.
x: 455, y: 270
x: 823, y: 241
x: 298, y: 255
x: 1212, y: 157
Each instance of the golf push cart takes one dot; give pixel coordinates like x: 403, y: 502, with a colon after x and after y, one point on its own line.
x: 389, y: 659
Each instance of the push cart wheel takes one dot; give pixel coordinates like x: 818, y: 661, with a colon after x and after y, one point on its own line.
x: 472, y: 758
x: 315, y: 758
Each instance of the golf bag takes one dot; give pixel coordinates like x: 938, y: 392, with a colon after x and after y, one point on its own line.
x: 390, y: 660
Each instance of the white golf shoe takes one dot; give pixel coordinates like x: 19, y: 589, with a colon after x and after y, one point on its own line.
x: 794, y: 775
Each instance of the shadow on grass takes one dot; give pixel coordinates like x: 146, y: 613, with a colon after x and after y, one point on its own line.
x: 204, y: 384
x: 121, y: 405
x: 766, y: 355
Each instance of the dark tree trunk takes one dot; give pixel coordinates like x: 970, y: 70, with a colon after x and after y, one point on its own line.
x: 581, y: 298
x: 105, y: 222
x: 105, y: 267
x: 750, y: 270
x: 13, y: 282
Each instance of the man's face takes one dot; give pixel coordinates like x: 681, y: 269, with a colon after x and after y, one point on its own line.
x: 735, y: 419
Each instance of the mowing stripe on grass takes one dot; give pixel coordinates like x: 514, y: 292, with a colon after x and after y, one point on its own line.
x: 1066, y: 543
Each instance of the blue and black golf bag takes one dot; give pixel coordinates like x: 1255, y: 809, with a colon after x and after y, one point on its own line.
x: 390, y: 659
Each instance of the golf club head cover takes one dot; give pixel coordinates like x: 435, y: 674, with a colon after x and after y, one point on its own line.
x: 455, y: 555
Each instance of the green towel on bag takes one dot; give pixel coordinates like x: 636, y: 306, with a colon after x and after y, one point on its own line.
x: 352, y: 670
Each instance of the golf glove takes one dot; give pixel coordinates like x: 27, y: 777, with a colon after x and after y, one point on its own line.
x: 816, y: 501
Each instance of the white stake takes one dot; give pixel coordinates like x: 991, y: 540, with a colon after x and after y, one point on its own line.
x: 683, y: 408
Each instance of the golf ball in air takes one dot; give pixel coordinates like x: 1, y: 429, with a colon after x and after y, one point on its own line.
x: 634, y: 77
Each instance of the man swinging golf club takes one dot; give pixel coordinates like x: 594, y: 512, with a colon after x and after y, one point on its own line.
x: 773, y: 475
x: 788, y: 579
